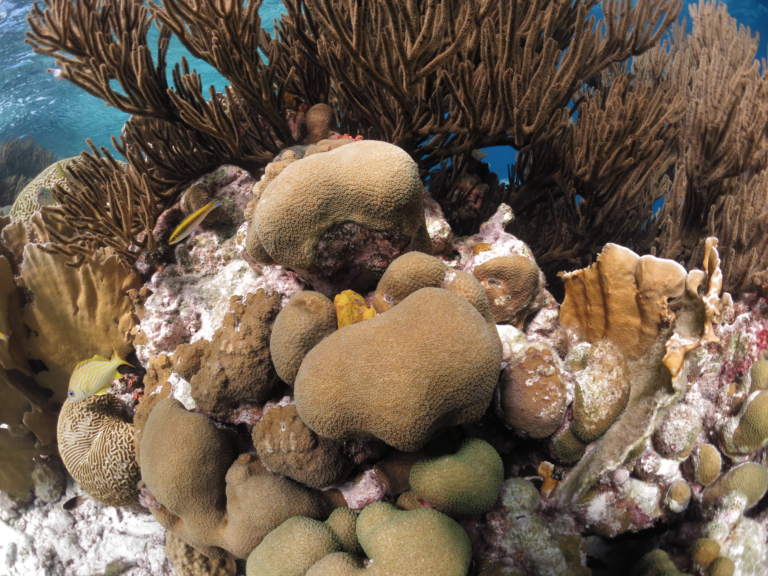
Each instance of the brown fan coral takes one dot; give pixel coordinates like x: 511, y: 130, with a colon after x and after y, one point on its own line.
x: 317, y: 215
x: 96, y: 446
x: 218, y: 504
x: 75, y: 313
x: 235, y: 366
x: 439, y: 366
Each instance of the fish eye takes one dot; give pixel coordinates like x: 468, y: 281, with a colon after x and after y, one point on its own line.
x: 71, y: 393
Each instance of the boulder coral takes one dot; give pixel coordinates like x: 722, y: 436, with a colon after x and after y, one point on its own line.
x: 421, y: 542
x: 96, y: 446
x: 288, y: 447
x: 428, y: 363
x: 333, y: 211
x: 298, y: 543
x: 216, y: 502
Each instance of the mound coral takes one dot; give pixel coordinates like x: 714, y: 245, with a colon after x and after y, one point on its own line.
x: 442, y: 363
x: 532, y: 391
x: 96, y: 446
x: 216, y: 503
x: 303, y: 322
x: 460, y: 484
x: 512, y: 284
x: 288, y: 447
x: 332, y: 198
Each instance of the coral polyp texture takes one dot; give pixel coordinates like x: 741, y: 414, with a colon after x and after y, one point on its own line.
x: 375, y: 357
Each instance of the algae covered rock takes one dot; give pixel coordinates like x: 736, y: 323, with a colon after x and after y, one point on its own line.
x: 428, y: 363
x: 460, y: 484
x: 601, y: 391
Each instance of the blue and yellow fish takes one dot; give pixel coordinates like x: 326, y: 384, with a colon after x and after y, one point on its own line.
x: 192, y: 221
x: 94, y: 376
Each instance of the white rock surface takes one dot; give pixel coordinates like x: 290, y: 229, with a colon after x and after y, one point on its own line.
x: 91, y: 540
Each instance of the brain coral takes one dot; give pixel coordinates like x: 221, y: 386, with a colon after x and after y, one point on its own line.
x: 421, y: 542
x: 96, y: 446
x: 236, y: 366
x: 288, y: 447
x: 305, y: 320
x: 511, y: 284
x: 461, y: 484
x: 372, y: 184
x: 750, y: 478
x: 25, y: 204
x: 408, y: 273
x: 213, y: 502
x: 292, y: 548
x: 428, y: 363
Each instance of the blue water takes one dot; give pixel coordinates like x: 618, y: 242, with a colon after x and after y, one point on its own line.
x: 60, y: 116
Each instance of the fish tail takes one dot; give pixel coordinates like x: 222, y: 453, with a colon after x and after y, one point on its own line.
x: 122, y: 361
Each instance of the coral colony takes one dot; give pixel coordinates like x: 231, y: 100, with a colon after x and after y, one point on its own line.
x: 365, y: 354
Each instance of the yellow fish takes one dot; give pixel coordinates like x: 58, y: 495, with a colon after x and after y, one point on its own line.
x: 94, y: 376
x: 192, y: 221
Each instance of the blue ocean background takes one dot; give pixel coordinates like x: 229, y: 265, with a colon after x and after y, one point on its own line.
x: 60, y: 116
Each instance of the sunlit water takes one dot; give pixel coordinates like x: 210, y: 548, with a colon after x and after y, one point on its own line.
x: 60, y: 116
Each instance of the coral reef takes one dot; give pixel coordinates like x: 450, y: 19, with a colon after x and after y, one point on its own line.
x: 443, y: 376
x: 330, y: 376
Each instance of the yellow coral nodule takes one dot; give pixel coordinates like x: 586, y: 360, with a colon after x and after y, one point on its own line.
x: 352, y: 308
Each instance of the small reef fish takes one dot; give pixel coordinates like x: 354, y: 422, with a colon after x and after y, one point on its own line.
x: 61, y: 173
x: 73, y: 503
x: 57, y: 73
x: 192, y: 221
x: 44, y: 196
x: 3, y: 337
x: 93, y: 377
